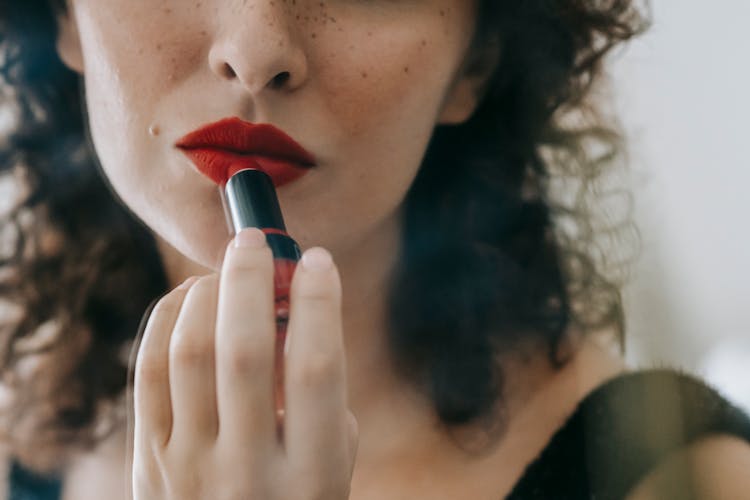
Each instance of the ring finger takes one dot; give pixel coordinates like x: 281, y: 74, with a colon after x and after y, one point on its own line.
x: 153, y: 408
x: 191, y: 365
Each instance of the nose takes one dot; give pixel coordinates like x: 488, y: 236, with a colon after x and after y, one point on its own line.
x: 257, y: 48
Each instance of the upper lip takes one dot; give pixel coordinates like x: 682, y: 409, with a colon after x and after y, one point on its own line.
x: 237, y: 136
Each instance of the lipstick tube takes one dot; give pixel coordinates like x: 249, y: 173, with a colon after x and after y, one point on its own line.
x: 250, y: 200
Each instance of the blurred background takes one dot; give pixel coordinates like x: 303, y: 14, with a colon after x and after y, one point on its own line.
x: 682, y: 92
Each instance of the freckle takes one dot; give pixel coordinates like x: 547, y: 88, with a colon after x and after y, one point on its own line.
x: 406, y: 69
x: 158, y: 46
x: 154, y: 130
x: 424, y: 43
x: 442, y: 13
x: 314, y: 35
x: 364, y: 74
x: 204, y: 33
x: 369, y: 33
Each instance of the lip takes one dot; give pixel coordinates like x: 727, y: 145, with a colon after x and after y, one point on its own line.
x: 222, y: 148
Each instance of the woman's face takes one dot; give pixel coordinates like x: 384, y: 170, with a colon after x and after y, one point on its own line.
x: 368, y: 81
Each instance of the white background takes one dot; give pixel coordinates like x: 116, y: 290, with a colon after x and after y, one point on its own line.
x: 683, y: 93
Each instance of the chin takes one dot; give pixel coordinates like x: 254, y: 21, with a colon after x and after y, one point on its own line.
x: 204, y: 249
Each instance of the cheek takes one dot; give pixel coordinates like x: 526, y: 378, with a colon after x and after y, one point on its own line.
x: 381, y: 96
x: 381, y: 78
x: 131, y: 63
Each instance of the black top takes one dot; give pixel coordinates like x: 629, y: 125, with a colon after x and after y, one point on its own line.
x: 25, y: 485
x: 615, y: 436
x: 622, y: 430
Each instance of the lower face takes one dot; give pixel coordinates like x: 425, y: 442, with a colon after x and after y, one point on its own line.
x: 368, y: 82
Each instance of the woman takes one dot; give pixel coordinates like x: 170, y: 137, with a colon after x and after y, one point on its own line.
x: 444, y: 319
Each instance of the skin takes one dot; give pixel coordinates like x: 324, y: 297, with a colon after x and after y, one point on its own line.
x: 367, y: 83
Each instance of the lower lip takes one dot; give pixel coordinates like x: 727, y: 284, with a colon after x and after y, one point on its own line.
x: 221, y: 165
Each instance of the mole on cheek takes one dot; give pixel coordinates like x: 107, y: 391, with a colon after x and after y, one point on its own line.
x: 154, y: 130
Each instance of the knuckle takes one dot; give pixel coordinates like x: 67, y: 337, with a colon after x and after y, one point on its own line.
x: 204, y: 284
x: 247, y: 361
x: 179, y: 464
x: 191, y: 351
x: 316, y: 368
x: 150, y: 369
x: 169, y: 305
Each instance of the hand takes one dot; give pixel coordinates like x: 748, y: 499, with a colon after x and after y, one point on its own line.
x: 205, y: 419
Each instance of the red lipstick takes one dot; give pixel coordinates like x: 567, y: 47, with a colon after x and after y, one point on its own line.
x: 221, y: 149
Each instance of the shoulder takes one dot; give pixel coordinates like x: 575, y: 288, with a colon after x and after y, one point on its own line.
x: 712, y: 468
x: 693, y: 442
x: 632, y: 426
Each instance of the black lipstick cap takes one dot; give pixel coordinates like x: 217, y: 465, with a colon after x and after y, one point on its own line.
x: 251, y: 201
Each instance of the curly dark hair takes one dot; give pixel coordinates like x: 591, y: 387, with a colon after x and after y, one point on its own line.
x: 78, y: 270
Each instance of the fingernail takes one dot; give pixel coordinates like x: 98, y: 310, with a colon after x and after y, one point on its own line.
x: 317, y: 259
x: 250, y: 237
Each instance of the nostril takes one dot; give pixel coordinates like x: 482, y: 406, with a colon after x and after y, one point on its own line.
x: 228, y: 71
x: 280, y: 79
